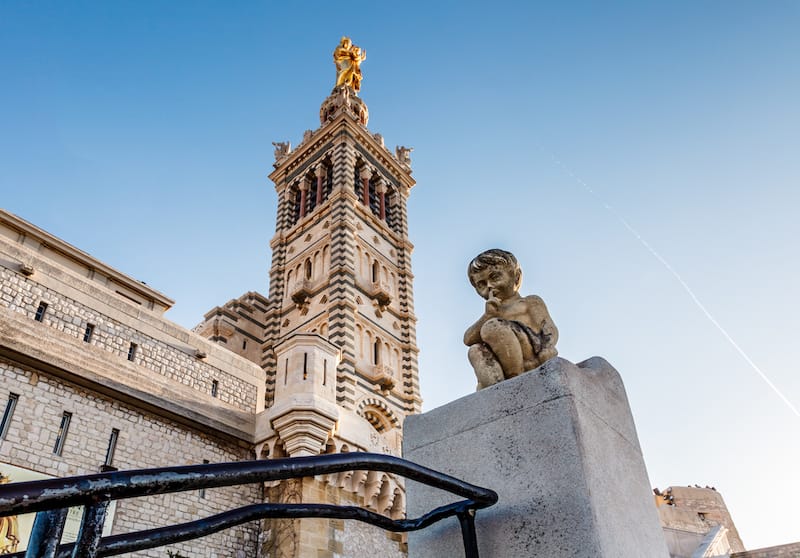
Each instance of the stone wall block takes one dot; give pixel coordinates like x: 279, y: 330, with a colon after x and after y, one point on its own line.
x: 559, y: 446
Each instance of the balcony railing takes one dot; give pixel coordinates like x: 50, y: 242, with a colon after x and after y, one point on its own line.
x: 51, y: 498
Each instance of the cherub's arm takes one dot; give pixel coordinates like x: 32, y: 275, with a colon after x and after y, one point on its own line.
x: 538, y: 314
x: 473, y: 333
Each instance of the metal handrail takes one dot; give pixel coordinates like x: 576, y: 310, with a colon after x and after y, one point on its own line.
x: 51, y: 498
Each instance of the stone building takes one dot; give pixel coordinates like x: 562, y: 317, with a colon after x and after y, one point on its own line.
x: 95, y: 377
x: 695, y: 517
x: 697, y: 524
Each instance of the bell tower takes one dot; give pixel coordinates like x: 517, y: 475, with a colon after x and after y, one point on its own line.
x: 341, y: 264
x: 339, y: 343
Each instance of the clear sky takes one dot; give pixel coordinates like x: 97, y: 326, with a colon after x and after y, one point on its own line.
x: 640, y: 159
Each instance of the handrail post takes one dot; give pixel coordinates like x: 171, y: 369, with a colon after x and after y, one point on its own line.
x: 467, y: 520
x: 46, y: 533
x: 94, y: 516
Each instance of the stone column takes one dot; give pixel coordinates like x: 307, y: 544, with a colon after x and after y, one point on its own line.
x: 381, y: 189
x: 303, y: 194
x: 366, y: 174
x: 559, y: 446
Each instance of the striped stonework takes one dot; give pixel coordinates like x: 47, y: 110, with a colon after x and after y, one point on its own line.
x: 341, y: 270
x: 338, y: 331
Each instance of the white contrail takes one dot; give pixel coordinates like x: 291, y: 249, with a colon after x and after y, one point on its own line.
x: 683, y: 283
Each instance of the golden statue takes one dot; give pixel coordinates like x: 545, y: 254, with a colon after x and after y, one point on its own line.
x: 348, y: 58
x: 9, y: 529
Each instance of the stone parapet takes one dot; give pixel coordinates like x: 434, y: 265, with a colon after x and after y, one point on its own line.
x: 559, y: 446
x: 781, y: 551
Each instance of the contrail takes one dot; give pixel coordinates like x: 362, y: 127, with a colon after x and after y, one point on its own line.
x: 683, y: 283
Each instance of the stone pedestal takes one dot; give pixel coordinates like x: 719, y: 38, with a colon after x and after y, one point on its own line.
x: 560, y: 448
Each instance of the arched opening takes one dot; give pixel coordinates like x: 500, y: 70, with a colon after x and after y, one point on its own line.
x: 376, y: 352
x: 397, y: 510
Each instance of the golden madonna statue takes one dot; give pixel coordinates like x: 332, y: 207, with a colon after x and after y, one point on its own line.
x: 348, y: 58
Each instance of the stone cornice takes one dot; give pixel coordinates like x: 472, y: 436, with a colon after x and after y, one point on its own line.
x: 342, y: 125
x: 82, y: 258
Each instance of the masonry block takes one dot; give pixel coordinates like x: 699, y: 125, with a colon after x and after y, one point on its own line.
x: 559, y: 446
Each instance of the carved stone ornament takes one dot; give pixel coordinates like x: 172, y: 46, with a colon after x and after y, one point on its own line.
x: 282, y: 149
x: 403, y: 154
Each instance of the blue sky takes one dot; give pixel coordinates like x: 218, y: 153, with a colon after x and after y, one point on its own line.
x: 141, y: 133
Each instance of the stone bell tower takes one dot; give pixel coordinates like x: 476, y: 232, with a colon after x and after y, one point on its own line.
x: 339, y: 338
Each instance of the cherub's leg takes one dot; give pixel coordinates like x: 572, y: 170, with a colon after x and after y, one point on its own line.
x: 502, y: 339
x: 530, y: 357
x: 487, y: 369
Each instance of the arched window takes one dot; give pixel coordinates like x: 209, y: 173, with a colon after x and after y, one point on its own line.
x: 328, y: 181
x: 376, y: 352
x: 358, y: 187
x: 311, y: 195
x: 376, y: 270
x: 295, y: 197
x: 374, y: 198
x: 308, y: 269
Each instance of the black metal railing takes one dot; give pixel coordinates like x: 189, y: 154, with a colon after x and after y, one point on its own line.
x: 51, y: 498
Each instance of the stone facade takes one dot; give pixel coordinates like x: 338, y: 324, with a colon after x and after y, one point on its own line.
x: 336, y: 336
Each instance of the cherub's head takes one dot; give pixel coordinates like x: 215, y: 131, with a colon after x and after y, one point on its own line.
x: 495, y: 273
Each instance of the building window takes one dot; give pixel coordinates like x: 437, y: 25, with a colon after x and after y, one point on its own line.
x: 374, y: 198
x: 214, y: 388
x: 376, y: 352
x: 40, y: 312
x: 112, y: 446
x: 88, y: 332
x: 328, y: 182
x: 244, y: 344
x: 8, y: 414
x: 132, y: 351
x: 358, y: 186
x: 296, y: 210
x: 66, y: 418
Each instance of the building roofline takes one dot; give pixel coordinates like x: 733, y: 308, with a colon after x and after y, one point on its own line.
x: 79, y: 256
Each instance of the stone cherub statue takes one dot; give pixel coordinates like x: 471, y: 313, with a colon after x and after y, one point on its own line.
x: 282, y: 149
x: 515, y: 333
x: 403, y: 154
x: 348, y: 58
